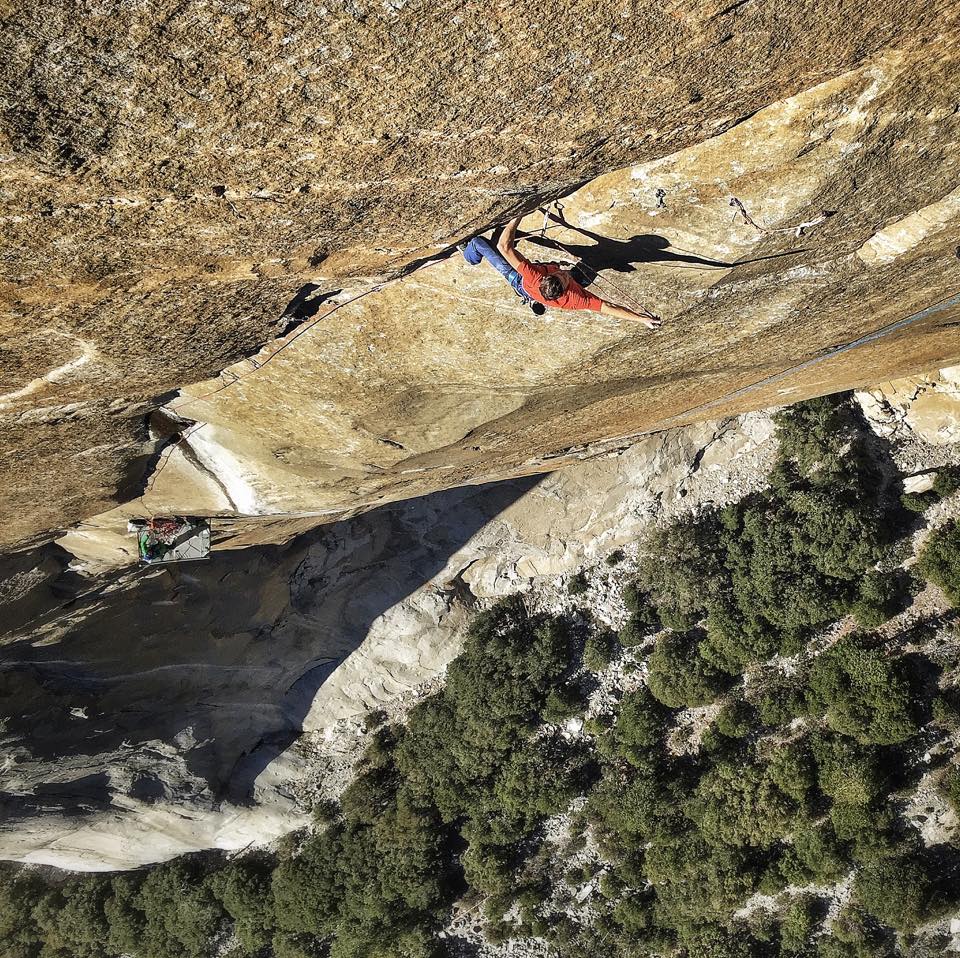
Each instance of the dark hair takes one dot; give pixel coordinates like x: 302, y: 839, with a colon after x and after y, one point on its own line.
x: 551, y: 287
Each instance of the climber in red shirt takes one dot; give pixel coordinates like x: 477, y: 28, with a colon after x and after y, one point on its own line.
x: 544, y: 283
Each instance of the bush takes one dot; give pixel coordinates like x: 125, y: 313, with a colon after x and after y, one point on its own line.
x: 814, y: 434
x: 733, y: 641
x: 778, y: 696
x: 615, y: 557
x: 563, y: 703
x: 374, y: 719
x: 736, y: 719
x: 894, y: 890
x: 946, y: 708
x: 638, y: 734
x: 939, y: 560
x: 634, y: 632
x: 819, y: 853
x: 739, y: 804
x: 951, y: 787
x: 918, y: 502
x: 798, y: 923
x: 947, y: 481
x: 244, y: 889
x: 881, y: 596
x: 181, y: 915
x: 679, y: 676
x: 698, y: 882
x: 854, y: 934
x: 635, y: 809
x: 847, y: 772
x: 855, y: 685
x: 577, y: 584
x: 869, y: 827
x: 600, y: 650
x: 681, y: 569
x: 792, y: 770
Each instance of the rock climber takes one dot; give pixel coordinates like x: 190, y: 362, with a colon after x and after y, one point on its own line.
x: 543, y: 284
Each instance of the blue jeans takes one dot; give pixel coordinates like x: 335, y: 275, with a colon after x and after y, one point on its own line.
x: 479, y: 248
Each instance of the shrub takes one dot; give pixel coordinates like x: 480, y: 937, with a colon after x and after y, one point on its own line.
x: 815, y: 433
x: 894, y: 890
x: 679, y: 676
x: 798, y: 923
x: 308, y: 890
x: 733, y: 641
x: 633, y: 809
x: 939, y: 560
x: 719, y: 941
x: 181, y: 915
x: 600, y: 650
x: 736, y: 719
x: 918, y: 502
x: 792, y: 770
x: 869, y: 827
x: 847, y: 772
x: 854, y: 934
x: 642, y: 611
x: 243, y: 888
x: 698, y: 882
x: 855, y: 685
x: 374, y: 719
x: 70, y: 920
x: 778, y: 696
x: 946, y: 708
x: 639, y: 731
x: 577, y: 584
x: 540, y: 779
x: 947, y: 481
x: 634, y: 632
x: 563, y: 703
x: 818, y: 851
x: 739, y: 804
x: 681, y: 568
x: 880, y: 598
x: 615, y: 557
x: 951, y: 787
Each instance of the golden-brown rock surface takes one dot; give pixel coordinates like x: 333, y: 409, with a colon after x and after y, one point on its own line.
x: 173, y: 174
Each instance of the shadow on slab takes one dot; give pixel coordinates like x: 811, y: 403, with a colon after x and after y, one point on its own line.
x: 202, y: 673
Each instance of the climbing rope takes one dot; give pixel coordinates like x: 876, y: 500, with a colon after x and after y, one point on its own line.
x: 279, y: 346
x: 740, y: 210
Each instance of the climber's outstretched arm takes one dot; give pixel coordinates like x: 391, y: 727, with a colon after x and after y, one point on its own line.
x: 621, y: 312
x: 506, y: 243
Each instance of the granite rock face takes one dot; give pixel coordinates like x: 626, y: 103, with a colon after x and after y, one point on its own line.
x: 175, y: 174
x: 174, y: 709
x: 927, y: 406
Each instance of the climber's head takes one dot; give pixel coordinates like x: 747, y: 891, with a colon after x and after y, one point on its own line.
x: 552, y: 286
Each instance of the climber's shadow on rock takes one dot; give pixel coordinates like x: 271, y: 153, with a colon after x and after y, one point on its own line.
x: 624, y: 255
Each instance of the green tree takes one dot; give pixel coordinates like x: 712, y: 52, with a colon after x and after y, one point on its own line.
x: 894, y: 890
x: 737, y: 803
x: 860, y: 692
x: 243, y: 888
x: 678, y: 676
x: 939, y: 561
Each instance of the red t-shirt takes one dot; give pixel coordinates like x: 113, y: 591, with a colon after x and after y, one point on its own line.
x: 574, y: 297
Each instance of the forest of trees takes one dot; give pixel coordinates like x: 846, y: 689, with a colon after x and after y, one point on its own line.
x: 796, y: 785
